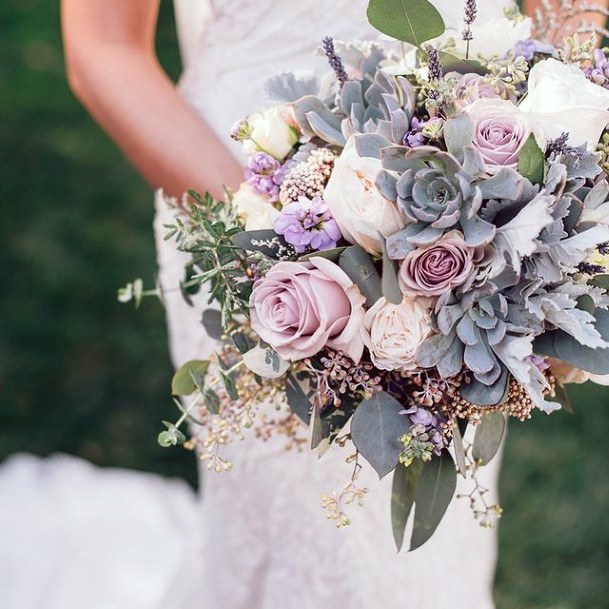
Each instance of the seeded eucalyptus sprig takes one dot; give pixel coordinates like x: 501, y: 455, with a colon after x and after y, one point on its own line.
x: 207, y: 235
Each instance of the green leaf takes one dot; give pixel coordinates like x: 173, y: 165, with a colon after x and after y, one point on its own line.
x: 390, y: 282
x: 531, y: 161
x: 299, y: 396
x: 488, y: 438
x: 451, y: 63
x: 172, y: 437
x: 266, y: 241
x: 211, y: 401
x: 376, y: 429
x: 182, y: 382
x: 229, y: 384
x: 265, y: 362
x: 413, y: 21
x: 357, y: 264
x: 459, y: 450
x: 563, y: 346
x: 435, y: 489
x: 600, y: 281
x: 403, y: 491
x: 332, y: 254
x: 212, y: 322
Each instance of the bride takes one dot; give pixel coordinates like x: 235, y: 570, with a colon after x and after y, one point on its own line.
x: 261, y: 541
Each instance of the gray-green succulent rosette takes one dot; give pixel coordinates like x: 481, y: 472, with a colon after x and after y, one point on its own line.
x: 420, y: 246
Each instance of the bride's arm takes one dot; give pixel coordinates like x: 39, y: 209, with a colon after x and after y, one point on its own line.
x: 113, y: 70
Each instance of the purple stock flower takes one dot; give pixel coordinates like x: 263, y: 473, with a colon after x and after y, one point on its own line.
x: 431, y: 423
x: 308, y: 224
x: 415, y: 137
x: 599, y: 72
x: 261, y: 172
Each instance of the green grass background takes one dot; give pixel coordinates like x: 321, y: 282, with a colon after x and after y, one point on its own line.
x: 82, y: 374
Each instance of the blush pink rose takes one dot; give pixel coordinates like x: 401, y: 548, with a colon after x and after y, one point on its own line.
x: 300, y: 308
x: 500, y: 132
x: 441, y: 267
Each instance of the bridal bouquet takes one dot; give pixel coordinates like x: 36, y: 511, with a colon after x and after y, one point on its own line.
x: 420, y: 245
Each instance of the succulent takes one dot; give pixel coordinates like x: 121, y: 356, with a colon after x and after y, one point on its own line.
x: 378, y: 103
x: 436, y: 192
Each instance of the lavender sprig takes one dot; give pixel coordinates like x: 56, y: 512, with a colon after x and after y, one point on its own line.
x: 471, y: 12
x: 336, y: 63
x: 559, y: 146
x: 434, y: 67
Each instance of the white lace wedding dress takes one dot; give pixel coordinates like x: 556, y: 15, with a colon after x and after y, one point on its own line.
x: 257, y: 538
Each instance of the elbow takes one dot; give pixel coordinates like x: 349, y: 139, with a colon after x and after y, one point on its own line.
x: 75, y: 65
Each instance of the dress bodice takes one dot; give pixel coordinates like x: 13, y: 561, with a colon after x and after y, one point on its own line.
x: 231, y: 47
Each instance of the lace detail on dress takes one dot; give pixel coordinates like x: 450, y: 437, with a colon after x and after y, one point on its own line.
x: 267, y: 542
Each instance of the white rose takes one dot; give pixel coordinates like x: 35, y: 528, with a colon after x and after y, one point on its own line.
x: 561, y: 98
x: 395, y: 332
x: 254, y: 209
x: 270, y: 133
x: 359, y: 209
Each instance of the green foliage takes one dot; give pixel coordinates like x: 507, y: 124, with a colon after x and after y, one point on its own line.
x: 488, y: 438
x: 413, y: 21
x: 207, y: 234
x: 358, y: 265
x: 403, y: 489
x: 531, y: 161
x: 390, y: 283
x: 184, y: 381
x: 376, y: 428
x: 434, y: 492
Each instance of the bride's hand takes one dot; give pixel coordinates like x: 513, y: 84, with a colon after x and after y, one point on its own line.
x: 113, y: 70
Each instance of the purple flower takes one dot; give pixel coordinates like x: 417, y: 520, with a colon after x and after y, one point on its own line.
x: 528, y: 48
x: 599, y: 72
x: 308, y: 224
x: 428, y: 423
x: 420, y: 130
x: 261, y: 172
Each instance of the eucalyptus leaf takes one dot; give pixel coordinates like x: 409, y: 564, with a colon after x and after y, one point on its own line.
x: 390, y: 282
x: 182, y: 382
x: 403, y: 489
x: 331, y: 254
x: 212, y: 322
x: 228, y: 381
x: 488, y: 437
x: 531, y: 161
x: 413, y: 21
x: 435, y: 489
x: 452, y: 63
x: 459, y: 451
x: 299, y: 396
x: 458, y: 133
x: 376, y: 428
x: 265, y: 362
x: 600, y: 281
x: 211, y: 401
x: 357, y: 264
x: 265, y: 241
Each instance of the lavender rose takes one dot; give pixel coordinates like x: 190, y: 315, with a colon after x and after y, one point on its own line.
x: 440, y: 267
x: 395, y: 332
x: 308, y: 224
x: 300, y: 308
x: 500, y: 131
x: 472, y: 87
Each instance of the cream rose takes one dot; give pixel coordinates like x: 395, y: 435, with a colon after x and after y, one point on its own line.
x: 360, y: 211
x: 560, y: 98
x: 270, y: 132
x: 566, y: 374
x: 395, y: 332
x: 254, y: 209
